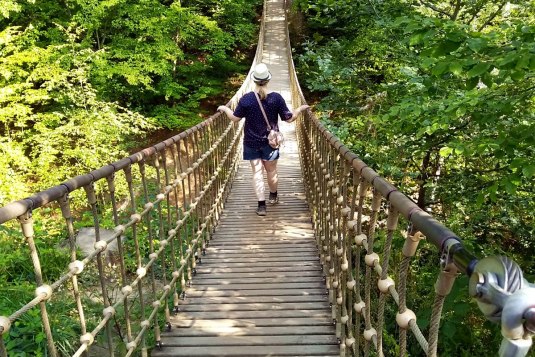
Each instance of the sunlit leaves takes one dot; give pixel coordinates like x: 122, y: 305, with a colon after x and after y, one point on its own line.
x: 459, y: 90
x: 478, y: 70
x: 78, y: 80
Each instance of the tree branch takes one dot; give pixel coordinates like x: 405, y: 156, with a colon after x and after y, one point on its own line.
x: 434, y: 8
x: 458, y: 4
x: 489, y: 20
x: 476, y: 12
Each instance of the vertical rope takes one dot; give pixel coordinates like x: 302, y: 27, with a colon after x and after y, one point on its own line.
x: 345, y: 246
x: 403, y: 271
x: 335, y: 243
x: 92, y: 200
x: 352, y: 283
x: 189, y: 220
x: 66, y: 212
x: 435, y: 324
x: 176, y: 182
x: 330, y: 233
x: 128, y: 176
x: 120, y: 249
x: 363, y: 187
x: 26, y: 222
x: 161, y: 238
x: 183, y: 230
x: 443, y: 286
x: 392, y: 220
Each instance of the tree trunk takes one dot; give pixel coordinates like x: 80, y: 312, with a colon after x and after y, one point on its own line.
x: 422, y: 180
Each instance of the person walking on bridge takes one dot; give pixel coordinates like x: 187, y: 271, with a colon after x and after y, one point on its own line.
x: 256, y: 147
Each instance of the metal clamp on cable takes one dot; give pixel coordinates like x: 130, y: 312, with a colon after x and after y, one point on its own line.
x: 453, y: 252
x: 503, y: 295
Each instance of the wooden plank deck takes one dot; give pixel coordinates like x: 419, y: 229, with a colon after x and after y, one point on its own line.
x: 259, y: 290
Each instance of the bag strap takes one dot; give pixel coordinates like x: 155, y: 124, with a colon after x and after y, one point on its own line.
x: 262, y: 109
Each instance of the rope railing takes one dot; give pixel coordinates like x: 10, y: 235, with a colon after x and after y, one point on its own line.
x: 164, y: 203
x: 184, y: 182
x: 356, y: 214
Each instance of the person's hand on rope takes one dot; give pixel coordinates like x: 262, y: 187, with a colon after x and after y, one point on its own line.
x: 303, y: 108
x: 298, y: 111
x: 228, y: 112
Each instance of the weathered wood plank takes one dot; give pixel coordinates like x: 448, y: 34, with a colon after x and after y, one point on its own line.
x: 255, y: 306
x: 205, y: 273
x: 294, y: 264
x: 249, y: 238
x: 263, y: 286
x: 280, y: 259
x: 204, y: 280
x: 195, y: 300
x: 299, y: 350
x: 262, y: 340
x: 258, y: 292
x: 254, y: 322
x: 224, y: 330
x: 189, y: 315
x: 216, y: 269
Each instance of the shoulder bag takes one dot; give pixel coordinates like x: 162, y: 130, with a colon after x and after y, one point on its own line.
x: 275, y: 138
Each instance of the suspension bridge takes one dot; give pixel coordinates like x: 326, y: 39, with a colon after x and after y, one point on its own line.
x: 197, y: 273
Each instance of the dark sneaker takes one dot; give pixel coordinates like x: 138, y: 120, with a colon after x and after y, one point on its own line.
x: 261, y: 211
x: 273, y: 199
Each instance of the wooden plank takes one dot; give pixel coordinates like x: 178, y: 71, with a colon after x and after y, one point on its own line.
x: 258, y: 292
x: 252, y: 322
x: 257, y: 248
x: 281, y: 252
x: 311, y: 263
x: 257, y: 280
x: 224, y: 330
x: 252, y: 261
x: 201, y: 273
x: 262, y: 286
x: 256, y: 255
x: 241, y: 240
x: 193, y: 300
x: 255, y: 306
x: 248, y: 340
x: 216, y: 269
x: 189, y: 315
x: 298, y: 350
x: 263, y: 228
x: 222, y: 238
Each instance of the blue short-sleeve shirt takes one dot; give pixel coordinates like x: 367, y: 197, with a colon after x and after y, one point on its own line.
x: 255, y: 129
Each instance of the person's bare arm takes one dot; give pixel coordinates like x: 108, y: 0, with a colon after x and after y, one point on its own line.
x: 228, y: 112
x: 296, y: 112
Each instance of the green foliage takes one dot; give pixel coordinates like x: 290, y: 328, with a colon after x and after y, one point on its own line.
x: 81, y: 83
x: 16, y: 267
x: 166, y: 58
x: 17, y: 281
x: 438, y: 98
x: 27, y: 337
x: 52, y: 121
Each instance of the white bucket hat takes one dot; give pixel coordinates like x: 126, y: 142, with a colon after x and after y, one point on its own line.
x: 261, y: 73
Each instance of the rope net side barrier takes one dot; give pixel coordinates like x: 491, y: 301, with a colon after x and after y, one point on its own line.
x: 367, y: 255
x: 175, y: 193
